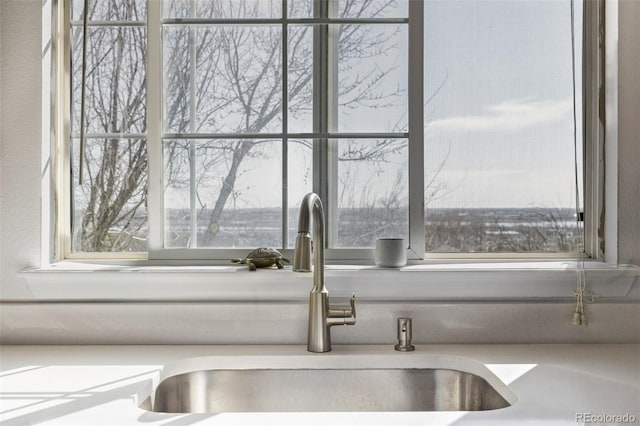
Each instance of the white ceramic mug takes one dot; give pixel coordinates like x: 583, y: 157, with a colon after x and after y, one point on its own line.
x: 391, y: 252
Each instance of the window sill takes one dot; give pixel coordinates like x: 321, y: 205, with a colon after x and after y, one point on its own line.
x: 444, y: 280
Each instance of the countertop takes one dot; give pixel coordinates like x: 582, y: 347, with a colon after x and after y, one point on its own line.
x: 102, y: 385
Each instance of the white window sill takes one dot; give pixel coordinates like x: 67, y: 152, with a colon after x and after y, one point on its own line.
x: 442, y: 280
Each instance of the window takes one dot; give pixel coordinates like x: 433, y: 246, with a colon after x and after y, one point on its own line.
x: 499, y: 125
x: 108, y: 202
x: 450, y: 124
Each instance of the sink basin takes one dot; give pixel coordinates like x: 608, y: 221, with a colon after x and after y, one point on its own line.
x: 324, y: 389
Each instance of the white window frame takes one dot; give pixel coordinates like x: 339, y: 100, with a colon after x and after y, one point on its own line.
x: 594, y: 136
x: 61, y: 135
x: 322, y: 170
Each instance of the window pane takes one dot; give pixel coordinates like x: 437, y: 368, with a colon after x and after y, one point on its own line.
x: 229, y: 77
x: 300, y: 8
x: 109, y: 208
x: 177, y: 81
x: 115, y: 80
x: 372, y: 191
x: 240, y: 9
x: 353, y: 9
x: 235, y: 198
x: 300, y: 78
x: 372, y: 78
x: 299, y: 182
x: 112, y: 10
x: 368, y: 84
x: 499, y: 143
x: 373, y: 8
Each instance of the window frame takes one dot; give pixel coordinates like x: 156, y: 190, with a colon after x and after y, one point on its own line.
x: 593, y: 143
x: 322, y: 182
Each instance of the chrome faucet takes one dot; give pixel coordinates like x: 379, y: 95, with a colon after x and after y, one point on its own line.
x: 321, y: 315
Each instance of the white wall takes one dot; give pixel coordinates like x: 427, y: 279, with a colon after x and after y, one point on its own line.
x: 21, y: 166
x: 20, y: 141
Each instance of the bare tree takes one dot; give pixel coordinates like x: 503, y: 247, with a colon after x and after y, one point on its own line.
x: 541, y: 228
x: 114, y: 188
x: 502, y: 230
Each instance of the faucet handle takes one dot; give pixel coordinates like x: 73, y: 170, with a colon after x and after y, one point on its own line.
x: 352, y: 317
x: 343, y: 315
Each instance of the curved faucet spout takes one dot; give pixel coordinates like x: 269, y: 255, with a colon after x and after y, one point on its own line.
x: 311, y: 206
x: 321, y: 315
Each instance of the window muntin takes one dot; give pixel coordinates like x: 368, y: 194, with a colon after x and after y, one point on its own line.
x: 300, y: 141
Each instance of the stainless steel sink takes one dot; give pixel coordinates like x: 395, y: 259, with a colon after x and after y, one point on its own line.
x: 322, y: 390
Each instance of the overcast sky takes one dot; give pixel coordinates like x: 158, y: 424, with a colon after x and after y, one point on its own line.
x: 504, y: 117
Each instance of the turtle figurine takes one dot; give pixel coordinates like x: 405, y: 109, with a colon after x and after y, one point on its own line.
x: 263, y: 257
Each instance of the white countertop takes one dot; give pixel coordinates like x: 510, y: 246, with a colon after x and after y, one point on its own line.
x: 101, y: 385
